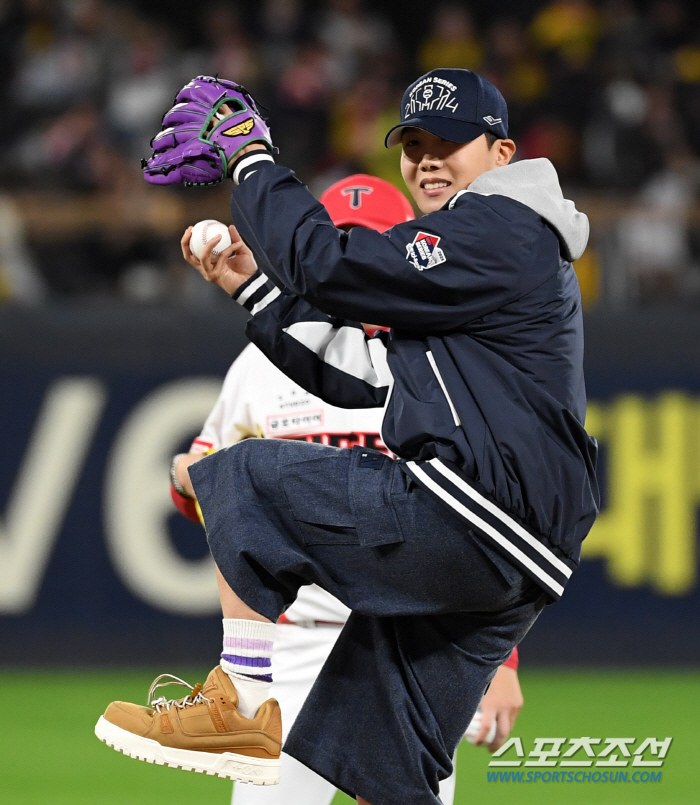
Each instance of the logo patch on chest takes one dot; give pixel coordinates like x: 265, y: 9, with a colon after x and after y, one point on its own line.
x: 424, y: 252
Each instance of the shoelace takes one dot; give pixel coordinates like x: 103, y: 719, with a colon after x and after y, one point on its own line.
x: 194, y: 697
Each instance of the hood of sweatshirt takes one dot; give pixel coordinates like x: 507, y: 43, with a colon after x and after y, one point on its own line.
x: 534, y: 183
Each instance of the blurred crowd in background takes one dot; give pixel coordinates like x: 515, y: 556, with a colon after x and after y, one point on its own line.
x: 609, y: 91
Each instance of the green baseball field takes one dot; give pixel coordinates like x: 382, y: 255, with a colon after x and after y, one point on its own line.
x: 49, y: 755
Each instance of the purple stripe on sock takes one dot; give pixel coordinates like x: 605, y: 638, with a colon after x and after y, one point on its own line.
x: 249, y: 662
x: 259, y: 677
x: 250, y: 643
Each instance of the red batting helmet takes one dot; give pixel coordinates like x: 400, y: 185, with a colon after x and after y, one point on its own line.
x: 363, y: 200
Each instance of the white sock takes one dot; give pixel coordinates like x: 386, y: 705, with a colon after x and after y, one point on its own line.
x: 247, y: 659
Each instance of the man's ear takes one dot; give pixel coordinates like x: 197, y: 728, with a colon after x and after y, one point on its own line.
x: 506, y: 149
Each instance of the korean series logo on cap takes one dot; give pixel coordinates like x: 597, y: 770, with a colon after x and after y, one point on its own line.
x: 457, y: 105
x: 429, y: 94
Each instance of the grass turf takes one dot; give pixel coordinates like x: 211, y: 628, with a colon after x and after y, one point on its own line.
x: 49, y: 755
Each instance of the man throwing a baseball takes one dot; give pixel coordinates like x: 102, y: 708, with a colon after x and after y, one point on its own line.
x: 258, y: 400
x: 445, y: 555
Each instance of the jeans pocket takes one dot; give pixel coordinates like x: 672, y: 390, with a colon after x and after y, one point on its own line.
x: 317, y: 491
x: 326, y: 534
x: 371, y: 476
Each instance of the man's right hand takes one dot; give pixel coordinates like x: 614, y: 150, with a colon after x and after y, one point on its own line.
x: 230, y: 269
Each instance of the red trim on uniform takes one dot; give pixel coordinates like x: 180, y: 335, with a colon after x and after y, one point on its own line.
x: 349, y: 440
x: 202, y: 443
x: 513, y: 660
x: 371, y: 329
x: 184, y: 505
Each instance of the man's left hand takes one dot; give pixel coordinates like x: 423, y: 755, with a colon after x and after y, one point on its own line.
x: 212, y: 121
x: 502, y: 703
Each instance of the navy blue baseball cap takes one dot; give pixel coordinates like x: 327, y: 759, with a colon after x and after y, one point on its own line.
x: 457, y: 105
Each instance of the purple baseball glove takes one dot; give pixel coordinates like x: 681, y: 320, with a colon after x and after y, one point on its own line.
x: 197, y: 141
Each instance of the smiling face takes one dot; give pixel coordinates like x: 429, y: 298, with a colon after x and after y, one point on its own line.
x: 435, y: 169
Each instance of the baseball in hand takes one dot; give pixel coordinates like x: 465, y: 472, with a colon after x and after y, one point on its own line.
x: 204, y: 232
x: 475, y: 726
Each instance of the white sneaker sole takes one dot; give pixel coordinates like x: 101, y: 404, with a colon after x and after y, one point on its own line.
x: 241, y: 768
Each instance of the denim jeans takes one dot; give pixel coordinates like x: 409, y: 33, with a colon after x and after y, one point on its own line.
x: 435, y: 610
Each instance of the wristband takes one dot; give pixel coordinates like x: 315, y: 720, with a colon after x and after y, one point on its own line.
x: 513, y: 661
x: 244, y: 166
x: 177, y: 486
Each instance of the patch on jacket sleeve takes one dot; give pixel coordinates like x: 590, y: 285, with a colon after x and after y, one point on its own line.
x: 424, y: 251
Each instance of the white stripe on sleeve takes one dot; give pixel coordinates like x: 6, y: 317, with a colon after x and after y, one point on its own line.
x: 265, y: 301
x: 251, y: 289
x: 345, y: 348
x: 247, y: 161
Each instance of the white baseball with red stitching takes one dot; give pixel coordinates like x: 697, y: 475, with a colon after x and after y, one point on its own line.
x: 204, y: 232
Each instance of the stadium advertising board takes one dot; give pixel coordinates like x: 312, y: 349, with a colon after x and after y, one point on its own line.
x: 96, y: 565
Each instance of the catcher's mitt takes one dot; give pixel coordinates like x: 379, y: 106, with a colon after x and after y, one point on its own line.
x: 197, y: 140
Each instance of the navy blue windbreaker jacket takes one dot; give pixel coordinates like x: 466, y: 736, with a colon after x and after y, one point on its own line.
x: 481, y: 374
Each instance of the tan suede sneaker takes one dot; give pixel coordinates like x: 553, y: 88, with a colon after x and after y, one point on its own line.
x: 203, y: 732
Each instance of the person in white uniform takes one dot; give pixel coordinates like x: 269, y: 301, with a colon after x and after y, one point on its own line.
x: 258, y: 400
